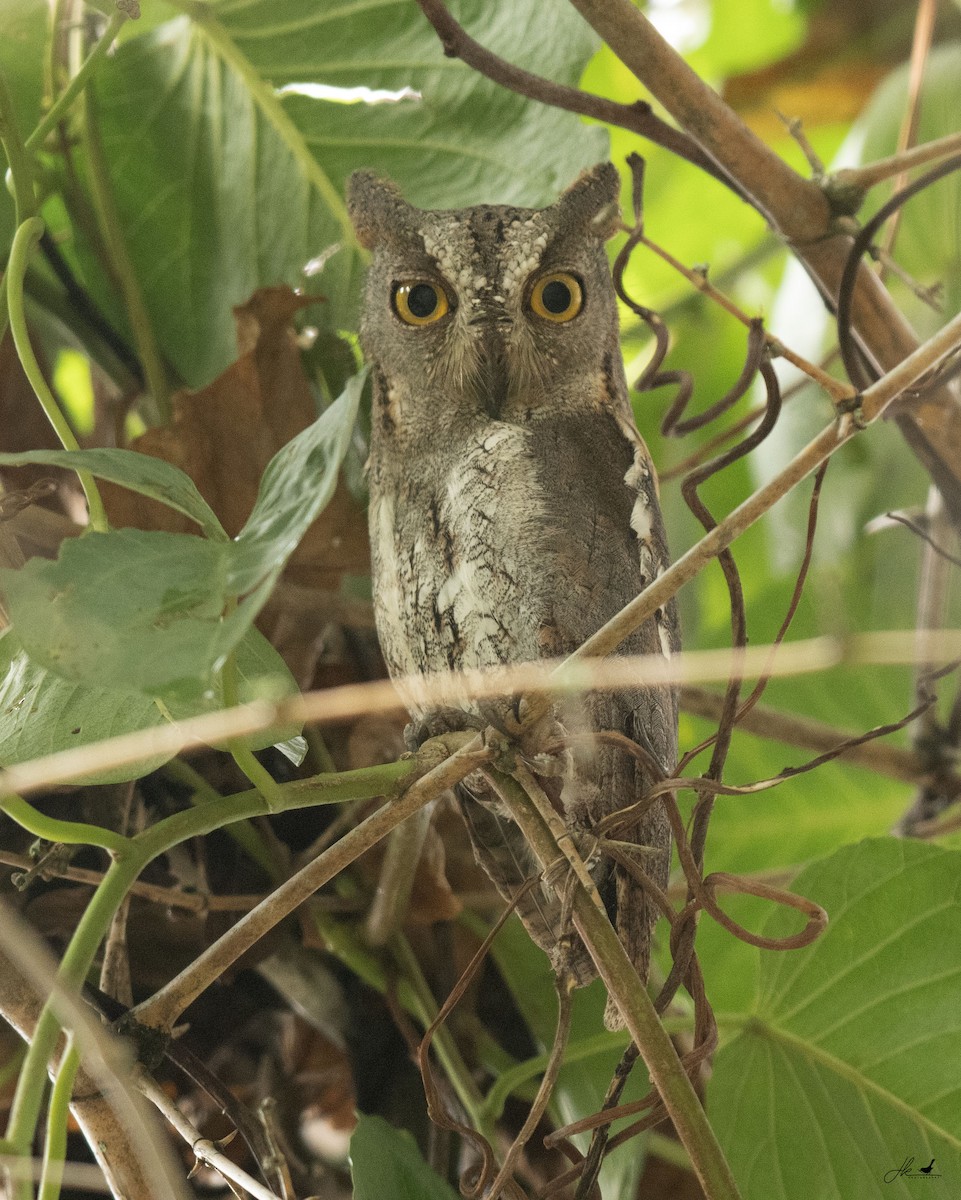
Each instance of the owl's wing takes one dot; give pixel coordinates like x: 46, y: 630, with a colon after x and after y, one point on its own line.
x: 608, y: 543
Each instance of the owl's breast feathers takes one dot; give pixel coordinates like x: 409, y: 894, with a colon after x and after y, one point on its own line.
x: 515, y: 546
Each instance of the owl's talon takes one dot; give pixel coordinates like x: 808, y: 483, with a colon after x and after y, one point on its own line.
x: 436, y: 724
x: 503, y: 714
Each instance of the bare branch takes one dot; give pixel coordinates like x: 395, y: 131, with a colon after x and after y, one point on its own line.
x: 580, y: 674
x: 808, y: 734
x: 205, y: 1150
x: 862, y: 178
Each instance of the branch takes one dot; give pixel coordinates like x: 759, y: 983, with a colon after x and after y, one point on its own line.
x: 862, y: 178
x: 626, y: 672
x: 636, y: 117
x: 623, y: 984
x: 204, y: 1149
x: 808, y: 734
x: 165, y: 1006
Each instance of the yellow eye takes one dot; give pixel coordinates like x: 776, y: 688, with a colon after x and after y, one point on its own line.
x: 420, y: 303
x: 557, y: 297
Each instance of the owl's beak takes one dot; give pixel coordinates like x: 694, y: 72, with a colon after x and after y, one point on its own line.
x: 493, y: 383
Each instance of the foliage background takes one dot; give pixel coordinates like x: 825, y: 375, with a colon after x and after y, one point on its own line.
x: 203, y: 165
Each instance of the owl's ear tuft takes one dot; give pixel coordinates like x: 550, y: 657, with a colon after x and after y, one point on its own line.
x: 374, y: 206
x: 592, y: 202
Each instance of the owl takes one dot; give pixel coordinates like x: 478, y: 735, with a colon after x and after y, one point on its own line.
x: 514, y: 510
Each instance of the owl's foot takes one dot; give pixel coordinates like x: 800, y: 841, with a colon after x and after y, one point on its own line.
x: 437, y: 723
x: 539, y: 743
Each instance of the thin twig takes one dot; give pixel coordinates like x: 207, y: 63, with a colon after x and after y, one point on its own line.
x: 837, y: 389
x: 637, y: 117
x: 555, y: 1060
x: 920, y: 49
x: 809, y: 734
x: 204, y: 1149
x: 352, y: 700
x: 867, y: 176
x: 169, y: 897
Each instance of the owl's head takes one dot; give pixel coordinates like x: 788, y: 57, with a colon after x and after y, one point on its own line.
x: 486, y: 312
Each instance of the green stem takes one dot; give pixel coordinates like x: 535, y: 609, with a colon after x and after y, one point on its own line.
x: 241, y: 753
x: 55, y: 1145
x: 79, y: 81
x: 71, y: 833
x: 130, y: 860
x: 122, y: 264
x: 24, y: 242
x: 21, y: 163
x: 243, y: 832
x: 77, y: 960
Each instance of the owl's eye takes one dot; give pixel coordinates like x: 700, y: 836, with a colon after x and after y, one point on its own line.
x: 420, y: 303
x: 557, y: 297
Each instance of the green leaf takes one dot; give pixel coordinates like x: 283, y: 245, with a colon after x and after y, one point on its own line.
x: 296, y: 486
x: 133, y: 610
x: 214, y: 206
x: 140, y: 472
x: 847, y: 1068
x: 153, y: 612
x: 385, y: 1161
x: 41, y: 713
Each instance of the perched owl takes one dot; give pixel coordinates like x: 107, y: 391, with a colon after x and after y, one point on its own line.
x: 513, y: 507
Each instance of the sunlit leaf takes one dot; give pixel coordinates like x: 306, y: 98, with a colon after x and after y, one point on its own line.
x: 838, y: 1076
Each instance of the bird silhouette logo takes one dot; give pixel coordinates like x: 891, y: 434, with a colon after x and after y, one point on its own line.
x: 907, y: 1170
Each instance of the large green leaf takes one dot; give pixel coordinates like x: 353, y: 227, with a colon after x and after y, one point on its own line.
x: 223, y: 185
x: 42, y: 713
x: 385, y: 1161
x: 847, y: 1066
x: 132, y: 610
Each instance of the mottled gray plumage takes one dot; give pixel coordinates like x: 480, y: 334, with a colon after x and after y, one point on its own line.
x: 513, y: 505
